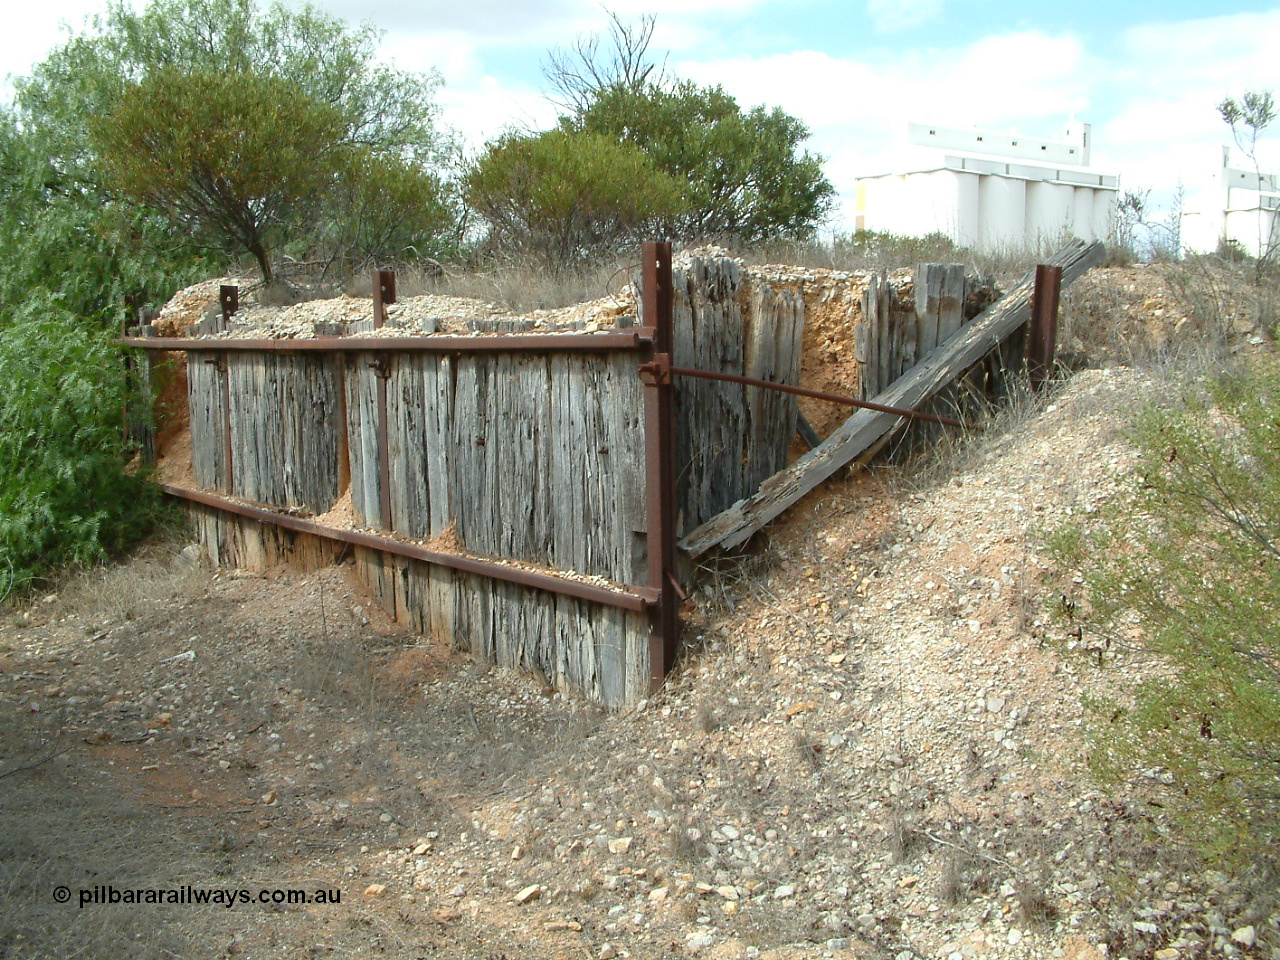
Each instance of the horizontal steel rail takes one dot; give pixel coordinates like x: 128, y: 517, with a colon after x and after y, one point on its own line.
x: 619, y: 339
x: 632, y: 598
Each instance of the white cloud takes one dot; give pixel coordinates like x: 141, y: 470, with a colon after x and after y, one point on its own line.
x: 1153, y: 107
x: 1224, y: 54
x: 32, y: 30
x: 482, y: 110
x: 857, y: 109
x: 482, y: 22
x: 965, y: 86
x: 1165, y: 126
x: 891, y: 15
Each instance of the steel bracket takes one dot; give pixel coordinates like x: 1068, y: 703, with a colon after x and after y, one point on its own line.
x: 657, y: 372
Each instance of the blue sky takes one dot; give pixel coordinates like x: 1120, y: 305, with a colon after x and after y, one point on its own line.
x: 1146, y: 75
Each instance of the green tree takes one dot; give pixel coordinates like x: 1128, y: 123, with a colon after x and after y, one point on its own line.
x: 744, y: 173
x: 378, y: 112
x: 561, y: 195
x: 389, y: 207
x: 1248, y: 117
x: 382, y: 108
x: 75, y: 249
x: 65, y: 492
x: 69, y: 257
x: 1186, y: 569
x: 233, y: 157
x: 62, y: 236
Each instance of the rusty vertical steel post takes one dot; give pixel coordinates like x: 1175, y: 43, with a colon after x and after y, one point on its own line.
x: 1044, y: 324
x: 229, y: 301
x: 660, y: 485
x: 128, y: 373
x: 147, y: 386
x: 384, y: 293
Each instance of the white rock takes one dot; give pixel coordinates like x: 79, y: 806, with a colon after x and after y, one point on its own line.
x: 784, y: 891
x: 1245, y: 936
x: 620, y: 845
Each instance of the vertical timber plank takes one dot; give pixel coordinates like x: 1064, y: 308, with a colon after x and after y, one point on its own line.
x: 950, y: 301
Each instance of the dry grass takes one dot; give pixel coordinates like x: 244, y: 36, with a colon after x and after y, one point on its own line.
x: 523, y: 285
x: 1035, y: 902
x: 520, y: 287
x: 161, y: 570
x: 903, y: 834
x: 873, y: 251
x: 962, y: 877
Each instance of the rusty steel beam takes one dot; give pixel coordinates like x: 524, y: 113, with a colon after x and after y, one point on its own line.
x: 660, y: 476
x: 632, y: 598
x: 381, y: 365
x: 1044, y: 324
x: 618, y: 339
x: 384, y: 292
x: 816, y: 394
x: 227, y: 445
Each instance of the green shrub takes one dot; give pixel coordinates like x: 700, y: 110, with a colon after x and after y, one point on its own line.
x: 743, y: 173
x: 1186, y: 568
x: 564, y: 197
x: 66, y: 495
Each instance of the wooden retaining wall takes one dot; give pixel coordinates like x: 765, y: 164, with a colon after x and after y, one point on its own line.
x: 283, y: 412
x: 730, y: 437
x: 533, y: 458
x: 526, y: 493
x: 538, y: 458
x: 589, y: 649
x: 892, y: 337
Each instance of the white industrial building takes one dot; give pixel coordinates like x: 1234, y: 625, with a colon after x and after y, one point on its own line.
x: 990, y: 191
x: 1239, y: 205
